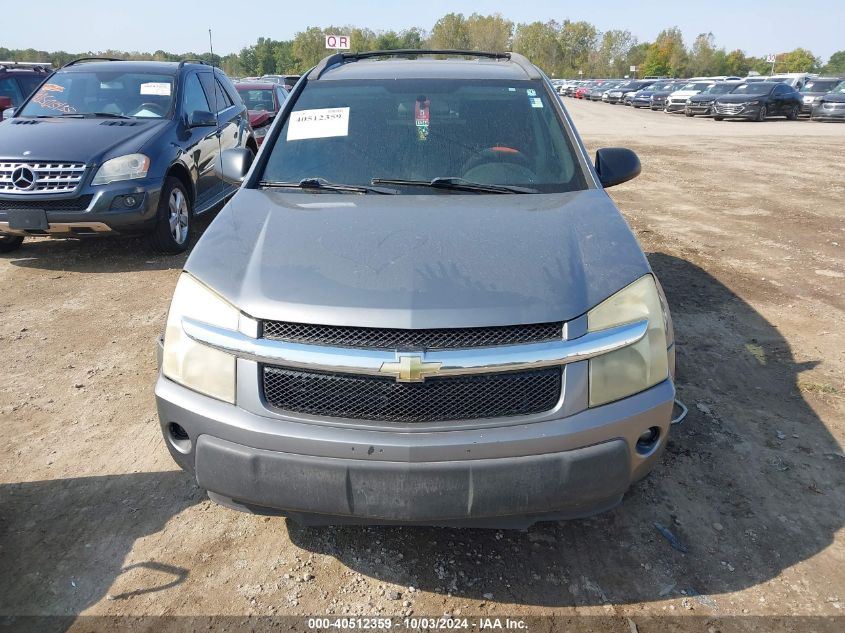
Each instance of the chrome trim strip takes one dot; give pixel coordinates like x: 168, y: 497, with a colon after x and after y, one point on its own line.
x: 453, y: 362
x: 57, y: 228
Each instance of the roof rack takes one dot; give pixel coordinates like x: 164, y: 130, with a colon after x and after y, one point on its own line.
x: 192, y: 61
x: 342, y: 58
x: 92, y: 59
x: 36, y: 66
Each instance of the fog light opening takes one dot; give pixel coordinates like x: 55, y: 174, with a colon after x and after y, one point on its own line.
x: 179, y: 438
x: 648, y: 440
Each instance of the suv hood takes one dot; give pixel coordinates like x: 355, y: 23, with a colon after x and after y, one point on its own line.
x: 684, y: 93
x: 77, y: 140
x: 417, y: 261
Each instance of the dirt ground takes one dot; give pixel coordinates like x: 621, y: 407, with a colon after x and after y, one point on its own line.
x: 744, y: 223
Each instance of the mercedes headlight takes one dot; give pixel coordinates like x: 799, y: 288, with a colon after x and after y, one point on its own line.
x: 127, y: 167
x: 192, y: 364
x: 636, y: 367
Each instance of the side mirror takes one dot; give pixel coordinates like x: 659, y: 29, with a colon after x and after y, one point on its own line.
x: 201, y: 118
x: 616, y: 165
x: 234, y: 165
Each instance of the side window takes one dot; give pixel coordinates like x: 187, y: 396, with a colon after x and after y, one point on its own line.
x: 217, y: 97
x: 223, y: 99
x: 194, y: 95
x: 9, y: 88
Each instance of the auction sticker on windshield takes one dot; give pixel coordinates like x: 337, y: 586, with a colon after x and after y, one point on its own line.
x: 318, y: 123
x: 160, y: 89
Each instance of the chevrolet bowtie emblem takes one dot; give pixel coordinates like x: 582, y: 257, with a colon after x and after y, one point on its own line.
x: 410, y: 368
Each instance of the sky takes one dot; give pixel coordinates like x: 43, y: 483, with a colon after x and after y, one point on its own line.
x: 176, y: 26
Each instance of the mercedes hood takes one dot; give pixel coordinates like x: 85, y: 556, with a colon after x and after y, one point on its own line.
x: 74, y: 140
x: 417, y: 261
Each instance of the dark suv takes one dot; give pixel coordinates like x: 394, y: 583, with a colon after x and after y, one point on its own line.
x: 109, y: 146
x: 18, y: 80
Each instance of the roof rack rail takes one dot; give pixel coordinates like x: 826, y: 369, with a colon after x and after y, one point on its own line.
x: 36, y: 66
x: 341, y: 58
x: 91, y: 59
x: 192, y: 61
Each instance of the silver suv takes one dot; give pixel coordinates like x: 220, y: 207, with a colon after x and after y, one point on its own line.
x: 421, y: 307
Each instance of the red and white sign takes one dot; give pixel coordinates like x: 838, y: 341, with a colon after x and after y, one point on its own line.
x: 338, y: 42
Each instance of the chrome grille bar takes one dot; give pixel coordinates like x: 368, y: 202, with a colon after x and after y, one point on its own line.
x: 453, y: 362
x: 49, y: 177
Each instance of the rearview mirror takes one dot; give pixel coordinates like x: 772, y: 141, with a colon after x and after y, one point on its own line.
x: 615, y: 165
x: 201, y: 118
x: 234, y: 165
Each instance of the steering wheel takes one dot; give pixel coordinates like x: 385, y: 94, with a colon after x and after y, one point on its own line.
x: 498, y: 165
x: 497, y: 154
x: 152, y: 107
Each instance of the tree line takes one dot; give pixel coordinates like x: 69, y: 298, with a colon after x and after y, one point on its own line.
x: 567, y: 49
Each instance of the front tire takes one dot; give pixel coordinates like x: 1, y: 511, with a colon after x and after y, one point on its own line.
x: 718, y: 118
x: 793, y: 113
x: 761, y: 115
x: 173, y: 222
x: 9, y: 243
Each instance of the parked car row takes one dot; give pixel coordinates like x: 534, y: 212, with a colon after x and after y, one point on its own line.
x: 754, y: 98
x: 106, y: 146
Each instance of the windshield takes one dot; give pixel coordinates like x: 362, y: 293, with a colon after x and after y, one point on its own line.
x: 720, y: 89
x: 260, y: 99
x: 839, y: 89
x: 699, y: 86
x: 489, y: 132
x: 820, y: 85
x: 131, y: 94
x: 756, y: 88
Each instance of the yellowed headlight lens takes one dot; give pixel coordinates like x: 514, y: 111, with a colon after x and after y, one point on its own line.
x: 194, y: 365
x: 639, y: 366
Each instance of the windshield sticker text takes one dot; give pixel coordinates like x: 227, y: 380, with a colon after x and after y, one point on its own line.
x: 52, y: 88
x: 536, y: 102
x: 160, y: 89
x: 48, y: 101
x: 318, y: 123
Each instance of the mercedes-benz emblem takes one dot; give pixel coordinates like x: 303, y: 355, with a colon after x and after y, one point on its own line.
x: 24, y: 178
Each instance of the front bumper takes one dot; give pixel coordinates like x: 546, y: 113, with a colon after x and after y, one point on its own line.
x: 827, y: 113
x: 675, y: 106
x: 93, y: 210
x: 327, y: 471
x: 699, y: 108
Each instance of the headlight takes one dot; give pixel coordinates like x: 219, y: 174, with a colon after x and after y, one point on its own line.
x: 639, y: 366
x: 752, y: 102
x: 689, y: 101
x: 126, y: 167
x: 193, y: 364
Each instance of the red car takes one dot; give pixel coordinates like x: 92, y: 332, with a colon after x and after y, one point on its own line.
x: 263, y: 100
x: 579, y: 94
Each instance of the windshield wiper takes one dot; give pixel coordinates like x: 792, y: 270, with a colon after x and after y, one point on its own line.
x: 324, y: 185
x: 109, y: 115
x: 454, y: 183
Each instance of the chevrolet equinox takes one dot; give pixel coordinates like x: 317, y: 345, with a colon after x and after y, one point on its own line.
x: 421, y: 307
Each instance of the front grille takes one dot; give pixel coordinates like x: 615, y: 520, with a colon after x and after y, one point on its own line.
x: 729, y: 108
x: 48, y: 177
x: 74, y: 204
x: 389, y: 338
x: 437, y: 399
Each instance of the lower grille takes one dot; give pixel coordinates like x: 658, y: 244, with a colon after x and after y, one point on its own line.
x: 729, y: 109
x: 74, y: 204
x: 435, y: 400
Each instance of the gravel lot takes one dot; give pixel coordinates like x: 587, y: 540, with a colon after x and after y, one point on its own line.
x: 744, y: 224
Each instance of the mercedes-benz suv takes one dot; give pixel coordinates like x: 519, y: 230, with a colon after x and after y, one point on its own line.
x: 420, y: 307
x: 109, y: 146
